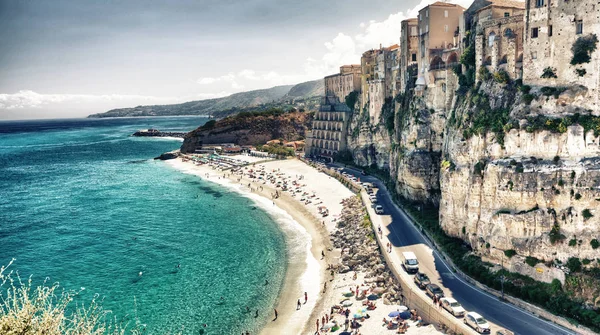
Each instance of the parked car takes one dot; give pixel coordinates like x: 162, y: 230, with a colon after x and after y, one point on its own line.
x: 453, y: 306
x: 370, y: 191
x: 379, y: 209
x: 422, y: 280
x: 433, y: 290
x: 477, y: 322
x: 373, y: 198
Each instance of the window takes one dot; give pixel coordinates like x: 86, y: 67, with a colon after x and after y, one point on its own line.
x: 579, y: 27
x: 534, y: 55
x: 419, y: 17
x: 426, y: 28
x: 539, y: 3
x: 413, y: 31
x: 534, y: 32
x: 491, y: 39
x: 506, y: 14
x: 445, y: 13
x: 446, y: 28
x: 414, y: 57
x: 420, y: 31
x: 549, y: 30
x: 427, y: 13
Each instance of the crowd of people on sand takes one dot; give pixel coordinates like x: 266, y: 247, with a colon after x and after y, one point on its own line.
x: 340, y: 315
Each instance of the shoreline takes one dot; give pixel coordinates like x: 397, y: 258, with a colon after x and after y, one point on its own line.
x: 306, y: 273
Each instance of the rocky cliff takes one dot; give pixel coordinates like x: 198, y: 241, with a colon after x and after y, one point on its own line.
x: 250, y: 129
x: 512, y: 168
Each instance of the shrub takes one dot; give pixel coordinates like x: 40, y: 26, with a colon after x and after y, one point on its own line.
x: 586, y: 214
x: 555, y: 235
x: 464, y: 230
x: 528, y: 98
x: 586, y: 261
x: 574, y: 264
x: 502, y: 77
x: 556, y: 159
x: 595, y: 244
x: 209, y: 125
x: 573, y: 174
x: 509, y: 253
x: 555, y: 91
x: 572, y: 242
x: 525, y: 89
x: 484, y: 73
x: 468, y: 56
x: 577, y: 196
x: 583, y: 48
x: 549, y: 72
x: 351, y: 99
x: 561, y: 182
x: 531, y: 261
x: 581, y: 72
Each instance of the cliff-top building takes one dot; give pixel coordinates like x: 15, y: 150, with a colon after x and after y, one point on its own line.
x: 409, y: 49
x: 438, y: 26
x: 343, y: 83
x: 499, y: 37
x: 551, y: 29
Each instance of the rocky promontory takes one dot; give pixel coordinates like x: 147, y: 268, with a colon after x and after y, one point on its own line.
x: 249, y: 128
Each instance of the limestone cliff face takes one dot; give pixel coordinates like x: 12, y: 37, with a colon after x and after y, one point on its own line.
x: 249, y: 129
x: 505, y: 173
x: 531, y: 190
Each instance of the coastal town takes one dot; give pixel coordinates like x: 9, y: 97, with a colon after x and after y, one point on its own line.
x: 444, y: 183
x: 441, y: 55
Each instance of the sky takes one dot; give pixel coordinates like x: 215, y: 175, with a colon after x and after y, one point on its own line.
x: 61, y: 59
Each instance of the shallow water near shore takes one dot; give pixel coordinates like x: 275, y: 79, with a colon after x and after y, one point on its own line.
x: 84, y: 204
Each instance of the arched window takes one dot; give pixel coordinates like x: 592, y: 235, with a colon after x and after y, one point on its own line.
x: 504, y: 59
x: 437, y: 63
x: 491, y: 38
x: 508, y: 33
x: 488, y: 60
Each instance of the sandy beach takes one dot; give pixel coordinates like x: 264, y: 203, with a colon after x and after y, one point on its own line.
x: 299, y: 209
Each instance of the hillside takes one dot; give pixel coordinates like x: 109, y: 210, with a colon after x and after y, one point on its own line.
x: 250, y: 129
x: 299, y: 96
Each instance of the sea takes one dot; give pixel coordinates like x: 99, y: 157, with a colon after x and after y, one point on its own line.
x: 84, y: 204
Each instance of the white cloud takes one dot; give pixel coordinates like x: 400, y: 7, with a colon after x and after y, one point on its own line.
x: 30, y: 99
x: 228, y: 78
x: 207, y: 81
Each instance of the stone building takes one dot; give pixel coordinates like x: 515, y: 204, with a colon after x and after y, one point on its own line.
x: 368, y: 61
x: 409, y: 49
x: 343, y: 83
x: 551, y: 29
x: 438, y: 26
x: 329, y: 127
x: 379, y: 78
x: 499, y: 37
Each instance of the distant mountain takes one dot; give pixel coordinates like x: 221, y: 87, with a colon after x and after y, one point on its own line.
x: 304, y: 95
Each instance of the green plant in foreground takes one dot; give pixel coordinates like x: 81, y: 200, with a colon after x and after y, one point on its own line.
x: 583, y: 48
x: 586, y: 214
x: 45, y: 309
x: 509, y: 253
x: 595, y: 244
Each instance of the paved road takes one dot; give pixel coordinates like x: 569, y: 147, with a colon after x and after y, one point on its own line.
x: 403, y: 233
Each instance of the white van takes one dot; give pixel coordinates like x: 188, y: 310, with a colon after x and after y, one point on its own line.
x: 410, y: 262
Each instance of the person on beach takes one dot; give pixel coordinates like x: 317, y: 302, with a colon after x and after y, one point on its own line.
x: 275, y: 315
x: 322, y: 254
x: 317, y: 324
x: 305, y: 297
x: 256, y: 314
x: 266, y: 282
x: 299, y: 305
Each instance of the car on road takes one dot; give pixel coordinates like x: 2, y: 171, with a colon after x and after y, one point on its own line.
x: 370, y: 191
x: 422, y: 280
x: 373, y: 198
x: 477, y: 322
x: 433, y: 290
x: 379, y: 209
x: 453, y: 306
x: 504, y: 332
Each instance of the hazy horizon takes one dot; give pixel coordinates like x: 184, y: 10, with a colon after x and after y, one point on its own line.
x: 65, y: 59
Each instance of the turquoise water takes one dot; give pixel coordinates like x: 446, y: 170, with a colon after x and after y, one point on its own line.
x: 84, y: 204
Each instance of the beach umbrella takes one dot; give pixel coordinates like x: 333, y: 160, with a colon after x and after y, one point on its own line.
x: 394, y: 314
x: 405, y: 315
x: 358, y: 315
x: 345, y: 333
x: 346, y: 303
x: 373, y: 297
x: 402, y: 308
